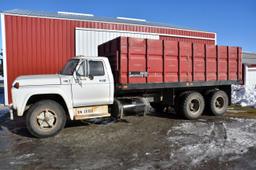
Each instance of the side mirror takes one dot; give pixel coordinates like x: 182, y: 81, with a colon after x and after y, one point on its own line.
x: 90, y: 77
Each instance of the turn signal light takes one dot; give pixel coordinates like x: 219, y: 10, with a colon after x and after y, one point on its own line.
x: 16, y: 85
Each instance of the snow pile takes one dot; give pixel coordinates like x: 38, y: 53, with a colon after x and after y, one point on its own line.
x: 244, y: 95
x: 194, y: 143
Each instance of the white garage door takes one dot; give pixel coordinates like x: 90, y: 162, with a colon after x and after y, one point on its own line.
x: 87, y: 40
x: 250, y: 75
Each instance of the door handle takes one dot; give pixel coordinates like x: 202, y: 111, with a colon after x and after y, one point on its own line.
x: 102, y: 80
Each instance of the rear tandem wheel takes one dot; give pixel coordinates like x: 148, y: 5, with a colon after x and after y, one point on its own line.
x: 190, y: 104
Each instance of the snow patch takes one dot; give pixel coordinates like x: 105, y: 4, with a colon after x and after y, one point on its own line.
x: 21, y: 160
x: 244, y: 95
x: 25, y: 156
x: 193, y: 143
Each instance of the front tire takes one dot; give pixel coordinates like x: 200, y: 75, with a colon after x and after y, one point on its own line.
x: 45, y: 118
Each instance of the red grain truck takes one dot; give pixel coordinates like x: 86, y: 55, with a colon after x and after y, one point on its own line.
x: 133, y: 74
x: 190, y: 77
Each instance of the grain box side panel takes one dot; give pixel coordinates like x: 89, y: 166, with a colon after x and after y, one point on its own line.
x: 199, y: 62
x: 136, y: 60
x: 185, y: 50
x: 154, y: 61
x: 222, y: 62
x: 123, y: 60
x: 232, y: 62
x: 171, y: 59
x: 211, y: 63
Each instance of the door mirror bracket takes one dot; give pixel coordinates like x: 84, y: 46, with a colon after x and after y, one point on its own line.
x: 74, y: 75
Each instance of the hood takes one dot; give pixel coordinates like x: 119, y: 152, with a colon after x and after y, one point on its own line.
x: 35, y: 80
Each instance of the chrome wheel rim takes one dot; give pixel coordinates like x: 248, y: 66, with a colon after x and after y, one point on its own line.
x: 46, y: 119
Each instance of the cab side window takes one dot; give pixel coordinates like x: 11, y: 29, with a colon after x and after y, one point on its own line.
x: 96, y: 68
x: 82, y: 70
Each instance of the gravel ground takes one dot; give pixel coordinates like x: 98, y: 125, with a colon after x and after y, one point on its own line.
x: 156, y: 141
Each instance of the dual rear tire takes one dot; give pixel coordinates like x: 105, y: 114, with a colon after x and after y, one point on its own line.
x: 217, y: 103
x: 192, y: 104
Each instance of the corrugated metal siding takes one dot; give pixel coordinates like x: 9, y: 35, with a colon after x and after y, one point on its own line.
x: 87, y: 40
x: 42, y: 45
x: 37, y: 46
x: 249, y: 58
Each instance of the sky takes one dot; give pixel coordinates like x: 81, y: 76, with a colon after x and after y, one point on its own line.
x: 234, y: 21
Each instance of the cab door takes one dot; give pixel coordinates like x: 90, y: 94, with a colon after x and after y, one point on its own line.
x: 91, y: 86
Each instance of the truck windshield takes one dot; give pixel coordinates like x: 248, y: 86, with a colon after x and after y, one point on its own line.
x: 69, y: 67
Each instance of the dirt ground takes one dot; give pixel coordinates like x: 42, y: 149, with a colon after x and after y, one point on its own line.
x: 156, y: 141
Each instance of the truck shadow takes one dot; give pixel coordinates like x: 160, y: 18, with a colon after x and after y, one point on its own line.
x: 97, y: 121
x: 166, y: 115
x: 169, y: 113
x: 18, y: 125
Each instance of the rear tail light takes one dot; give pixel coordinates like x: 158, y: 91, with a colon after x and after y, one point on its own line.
x: 16, y: 85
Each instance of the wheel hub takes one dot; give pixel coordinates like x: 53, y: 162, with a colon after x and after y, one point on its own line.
x: 194, y: 105
x: 46, y: 119
x: 219, y: 103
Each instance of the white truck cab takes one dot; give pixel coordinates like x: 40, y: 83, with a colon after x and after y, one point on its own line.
x: 82, y: 90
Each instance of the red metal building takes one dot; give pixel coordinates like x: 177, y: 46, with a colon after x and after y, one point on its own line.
x: 40, y: 43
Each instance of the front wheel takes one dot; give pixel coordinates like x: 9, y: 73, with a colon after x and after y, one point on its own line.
x: 45, y: 118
